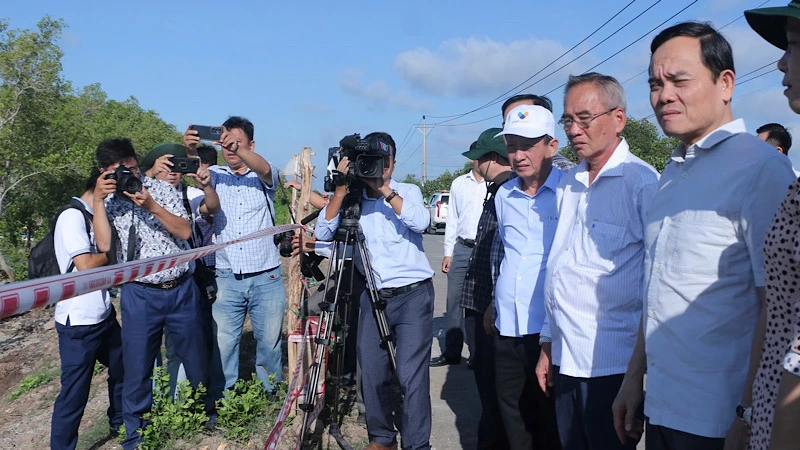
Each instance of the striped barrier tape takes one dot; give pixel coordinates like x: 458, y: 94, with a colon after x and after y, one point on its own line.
x: 17, y: 298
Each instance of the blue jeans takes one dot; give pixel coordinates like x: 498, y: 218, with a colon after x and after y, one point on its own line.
x: 263, y: 297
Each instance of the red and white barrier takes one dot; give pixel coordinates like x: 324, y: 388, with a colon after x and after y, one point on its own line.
x: 17, y: 298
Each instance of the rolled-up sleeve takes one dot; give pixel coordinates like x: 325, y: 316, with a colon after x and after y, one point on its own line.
x: 326, y: 229
x: 413, y: 213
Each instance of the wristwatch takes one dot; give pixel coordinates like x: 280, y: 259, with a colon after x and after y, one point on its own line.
x: 544, y: 339
x: 391, y: 196
x: 745, y: 414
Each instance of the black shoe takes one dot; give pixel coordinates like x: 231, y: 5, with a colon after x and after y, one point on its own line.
x: 440, y: 361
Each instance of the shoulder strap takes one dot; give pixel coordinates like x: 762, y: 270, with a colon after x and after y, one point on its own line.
x: 87, y: 218
x: 269, y: 203
x: 186, y: 203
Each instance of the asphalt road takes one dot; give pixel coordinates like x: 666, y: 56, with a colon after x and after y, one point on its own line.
x: 454, y: 396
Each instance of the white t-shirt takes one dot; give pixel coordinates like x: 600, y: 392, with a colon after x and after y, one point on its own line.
x: 70, y: 239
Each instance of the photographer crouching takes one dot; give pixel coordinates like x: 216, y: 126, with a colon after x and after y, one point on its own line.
x: 149, y: 220
x: 393, y: 217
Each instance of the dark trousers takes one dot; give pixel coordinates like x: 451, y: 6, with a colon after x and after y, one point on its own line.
x: 528, y: 415
x: 583, y: 412
x: 657, y: 437
x: 454, y: 314
x: 79, y: 346
x: 491, y: 433
x: 146, y: 312
x: 410, y: 317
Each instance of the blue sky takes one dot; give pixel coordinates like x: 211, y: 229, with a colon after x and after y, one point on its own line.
x: 309, y: 73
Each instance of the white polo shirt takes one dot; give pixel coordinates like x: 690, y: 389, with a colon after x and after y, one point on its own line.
x: 704, y: 240
x: 464, y: 210
x: 593, y: 287
x: 70, y: 239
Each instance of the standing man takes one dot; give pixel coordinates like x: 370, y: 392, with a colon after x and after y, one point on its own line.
x: 249, y: 273
x: 527, y: 217
x: 87, y: 326
x: 593, y: 295
x: 492, y: 163
x: 393, y: 217
x: 466, y: 204
x: 704, y: 253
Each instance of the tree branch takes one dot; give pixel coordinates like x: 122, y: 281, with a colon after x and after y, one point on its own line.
x: 14, y: 184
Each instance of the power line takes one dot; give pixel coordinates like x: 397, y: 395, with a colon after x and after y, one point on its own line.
x: 501, y: 96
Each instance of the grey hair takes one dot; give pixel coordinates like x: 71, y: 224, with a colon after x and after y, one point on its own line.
x: 613, y: 92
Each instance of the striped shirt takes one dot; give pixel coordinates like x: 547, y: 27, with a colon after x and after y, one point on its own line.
x: 244, y: 210
x: 593, y: 289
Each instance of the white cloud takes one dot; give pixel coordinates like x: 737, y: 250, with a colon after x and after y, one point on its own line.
x: 480, y: 66
x: 378, y: 93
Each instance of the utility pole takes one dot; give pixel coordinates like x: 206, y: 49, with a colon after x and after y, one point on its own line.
x: 424, y: 129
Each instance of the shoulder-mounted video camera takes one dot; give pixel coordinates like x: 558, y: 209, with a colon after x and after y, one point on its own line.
x: 366, y: 160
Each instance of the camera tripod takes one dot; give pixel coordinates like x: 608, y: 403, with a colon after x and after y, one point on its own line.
x: 349, y: 243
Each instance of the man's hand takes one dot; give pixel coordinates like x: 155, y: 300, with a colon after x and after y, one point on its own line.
x: 446, y: 263
x: 308, y: 244
x: 105, y: 186
x: 294, y: 184
x: 162, y: 165
x: 202, y: 178
x: 228, y: 141
x: 488, y: 321
x: 191, y: 139
x: 738, y: 436
x: 544, y: 369
x: 142, y: 199
x: 629, y: 400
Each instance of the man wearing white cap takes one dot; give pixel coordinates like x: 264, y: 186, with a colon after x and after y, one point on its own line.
x: 527, y: 217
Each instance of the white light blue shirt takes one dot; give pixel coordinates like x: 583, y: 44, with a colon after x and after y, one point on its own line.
x: 526, y: 224
x: 704, y: 258
x: 593, y: 295
x: 464, y: 210
x: 244, y: 210
x: 394, y: 241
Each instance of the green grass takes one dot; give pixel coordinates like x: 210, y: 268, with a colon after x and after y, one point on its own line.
x: 32, y: 382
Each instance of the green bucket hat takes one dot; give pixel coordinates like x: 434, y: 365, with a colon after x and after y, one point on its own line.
x: 770, y: 23
x: 487, y: 143
x: 164, y: 148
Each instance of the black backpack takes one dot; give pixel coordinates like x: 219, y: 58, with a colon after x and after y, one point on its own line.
x: 42, y: 260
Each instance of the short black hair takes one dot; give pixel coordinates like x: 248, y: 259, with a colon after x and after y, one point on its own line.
x: 114, y: 150
x: 539, y: 100
x: 207, y: 154
x: 715, y: 50
x: 91, y: 182
x: 242, y: 124
x: 777, y: 135
x: 384, y: 137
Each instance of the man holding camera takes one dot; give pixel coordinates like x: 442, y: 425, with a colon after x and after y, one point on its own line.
x: 393, y: 217
x: 150, y: 221
x: 249, y: 273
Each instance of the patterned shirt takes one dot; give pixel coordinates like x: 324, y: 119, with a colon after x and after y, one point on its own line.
x: 152, y: 237
x: 479, y: 281
x: 244, y: 210
x: 562, y: 163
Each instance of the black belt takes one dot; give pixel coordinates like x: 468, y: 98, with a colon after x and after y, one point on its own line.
x: 394, y: 292
x: 468, y: 242
x: 167, y: 285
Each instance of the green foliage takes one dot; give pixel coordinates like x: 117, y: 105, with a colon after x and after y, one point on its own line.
x: 32, y: 382
x: 120, y: 435
x: 98, y: 369
x: 170, y: 420
x: 242, y: 408
x: 442, y: 182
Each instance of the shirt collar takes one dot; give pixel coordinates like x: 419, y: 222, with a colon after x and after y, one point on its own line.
x: 230, y: 171
x: 710, y: 140
x: 550, y: 183
x: 612, y: 168
x: 471, y: 176
x: 87, y: 206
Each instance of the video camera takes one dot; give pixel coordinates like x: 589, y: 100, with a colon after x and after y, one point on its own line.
x: 366, y: 160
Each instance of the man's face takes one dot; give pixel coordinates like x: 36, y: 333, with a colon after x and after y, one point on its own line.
x: 245, y: 145
x: 529, y: 157
x: 591, y: 128
x: 687, y: 102
x: 789, y: 64
x: 172, y: 178
x: 130, y: 163
x: 388, y: 168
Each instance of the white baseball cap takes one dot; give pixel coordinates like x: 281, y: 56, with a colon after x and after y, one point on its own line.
x: 530, y: 121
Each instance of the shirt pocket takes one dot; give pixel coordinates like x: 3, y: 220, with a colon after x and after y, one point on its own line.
x: 605, y: 241
x: 701, y: 242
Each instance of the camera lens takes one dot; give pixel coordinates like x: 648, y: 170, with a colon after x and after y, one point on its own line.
x: 182, y: 165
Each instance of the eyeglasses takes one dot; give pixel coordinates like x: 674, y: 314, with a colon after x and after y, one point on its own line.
x: 566, y: 122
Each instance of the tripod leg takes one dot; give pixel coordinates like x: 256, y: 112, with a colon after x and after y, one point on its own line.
x: 377, y: 303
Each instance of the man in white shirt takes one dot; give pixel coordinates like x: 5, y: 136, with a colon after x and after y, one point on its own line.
x: 704, y: 263
x: 87, y: 327
x: 467, y: 193
x: 593, y: 294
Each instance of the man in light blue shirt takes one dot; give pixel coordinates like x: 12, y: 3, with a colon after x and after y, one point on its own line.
x: 393, y: 217
x: 526, y: 220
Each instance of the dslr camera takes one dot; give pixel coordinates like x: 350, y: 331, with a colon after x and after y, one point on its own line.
x: 366, y: 160
x: 126, y: 181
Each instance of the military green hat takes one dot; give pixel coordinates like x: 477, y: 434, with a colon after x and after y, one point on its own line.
x: 164, y: 148
x: 487, y: 143
x: 770, y: 23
